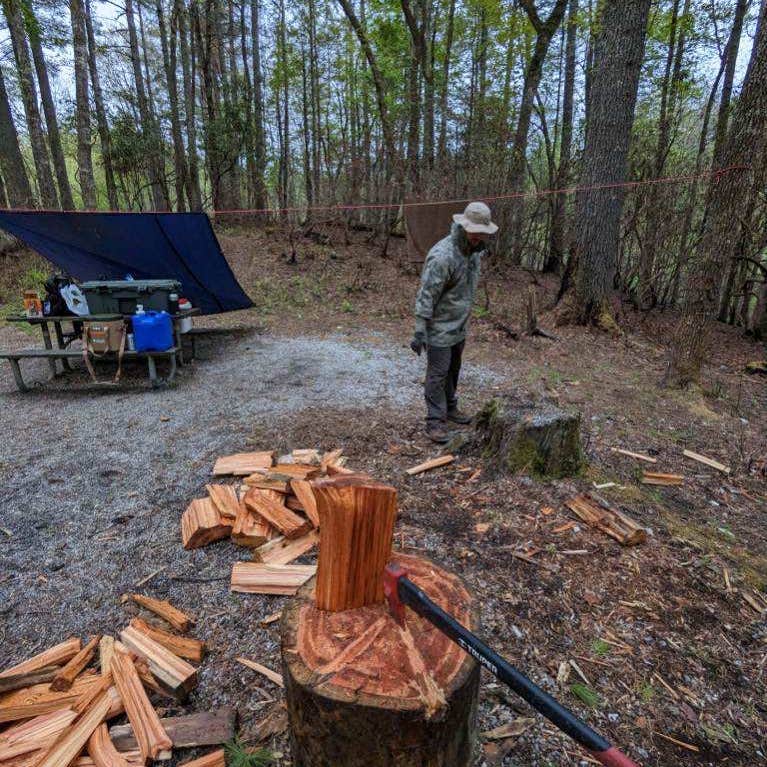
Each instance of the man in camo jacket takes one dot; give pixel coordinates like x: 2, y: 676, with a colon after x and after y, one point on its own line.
x: 442, y: 309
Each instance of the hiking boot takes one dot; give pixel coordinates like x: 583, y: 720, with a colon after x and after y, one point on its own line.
x: 456, y: 416
x: 438, y: 433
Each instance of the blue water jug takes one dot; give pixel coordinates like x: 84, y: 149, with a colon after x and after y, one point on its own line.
x: 152, y: 331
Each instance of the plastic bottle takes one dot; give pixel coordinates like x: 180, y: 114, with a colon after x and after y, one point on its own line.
x: 140, y: 309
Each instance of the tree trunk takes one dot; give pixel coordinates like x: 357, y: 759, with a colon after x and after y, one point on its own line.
x: 82, y: 106
x: 445, y: 85
x: 724, y: 233
x: 259, y: 140
x: 545, y: 30
x: 154, y: 159
x: 169, y: 64
x: 17, y: 188
x: 49, y: 110
x: 618, y: 53
x: 188, y: 73
x: 362, y: 692
x: 559, y: 229
x: 45, y: 184
x: 380, y: 86
x: 101, y: 115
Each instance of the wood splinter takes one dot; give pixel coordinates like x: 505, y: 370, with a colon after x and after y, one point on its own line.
x: 66, y: 677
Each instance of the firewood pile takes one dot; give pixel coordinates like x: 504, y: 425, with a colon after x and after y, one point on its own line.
x: 271, y: 510
x: 55, y: 706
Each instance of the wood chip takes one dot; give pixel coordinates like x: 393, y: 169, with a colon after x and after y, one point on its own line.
x: 224, y: 498
x: 303, y: 490
x: 165, y: 610
x: 214, y: 759
x: 597, y: 513
x: 53, y: 656
x: 631, y: 454
x: 263, y: 670
x: 273, y: 618
x: 66, y: 677
x: 656, y: 478
x: 242, y: 464
x: 282, y: 551
x: 681, y: 743
x: 202, y: 523
x: 258, y: 578
x: 184, y: 647
x: 512, y: 729
x: 151, y: 575
x: 706, y: 461
x: 276, y: 513
x: 432, y: 463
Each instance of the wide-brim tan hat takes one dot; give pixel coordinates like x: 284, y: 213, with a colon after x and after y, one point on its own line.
x: 476, y: 219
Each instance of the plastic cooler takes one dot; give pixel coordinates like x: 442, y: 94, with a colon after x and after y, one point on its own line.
x: 122, y: 296
x: 152, y: 331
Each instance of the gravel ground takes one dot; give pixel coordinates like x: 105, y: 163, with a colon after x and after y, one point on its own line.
x: 94, y: 483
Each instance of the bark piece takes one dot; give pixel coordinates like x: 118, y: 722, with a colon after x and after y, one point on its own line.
x: 53, y: 656
x: 224, y: 498
x: 202, y: 523
x: 432, y: 463
x: 380, y: 695
x: 241, y: 464
x: 102, y: 750
x: 276, y: 513
x: 165, y: 610
x: 303, y: 490
x: 184, y: 647
x: 707, y: 461
x: 64, y: 679
x: 173, y: 673
x: 213, y: 759
x: 150, y: 735
x: 66, y: 748
x: 599, y: 514
x: 282, y: 551
x: 203, y: 728
x: 536, y: 438
x: 656, y: 478
x: 357, y: 524
x: 258, y: 578
x: 273, y: 676
x: 27, y: 679
x: 40, y: 699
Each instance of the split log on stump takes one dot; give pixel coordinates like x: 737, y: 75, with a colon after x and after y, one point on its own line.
x: 361, y: 692
x: 539, y: 439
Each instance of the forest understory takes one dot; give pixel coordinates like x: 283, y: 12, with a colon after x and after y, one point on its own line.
x: 670, y: 652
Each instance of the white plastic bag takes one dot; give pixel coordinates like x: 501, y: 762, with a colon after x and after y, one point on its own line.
x: 74, y: 299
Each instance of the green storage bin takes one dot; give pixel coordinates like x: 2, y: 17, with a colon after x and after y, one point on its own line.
x: 122, y: 296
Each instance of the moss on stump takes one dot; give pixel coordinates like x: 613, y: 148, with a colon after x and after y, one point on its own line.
x: 538, y: 439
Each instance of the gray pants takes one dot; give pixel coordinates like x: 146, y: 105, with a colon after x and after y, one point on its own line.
x: 443, y: 366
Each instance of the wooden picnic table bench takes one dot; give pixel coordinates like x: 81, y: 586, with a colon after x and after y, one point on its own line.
x: 67, y: 354
x: 61, y: 352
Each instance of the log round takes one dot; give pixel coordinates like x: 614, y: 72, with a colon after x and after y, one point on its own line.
x: 364, y: 692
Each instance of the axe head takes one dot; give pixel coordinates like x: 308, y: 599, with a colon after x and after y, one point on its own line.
x: 392, y: 575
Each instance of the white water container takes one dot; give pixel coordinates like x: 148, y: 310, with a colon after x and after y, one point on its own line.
x: 185, y: 324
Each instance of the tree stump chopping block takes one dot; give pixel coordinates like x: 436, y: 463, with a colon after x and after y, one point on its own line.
x: 364, y: 692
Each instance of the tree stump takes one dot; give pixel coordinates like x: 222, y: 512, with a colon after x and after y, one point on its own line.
x: 537, y: 438
x: 363, y: 692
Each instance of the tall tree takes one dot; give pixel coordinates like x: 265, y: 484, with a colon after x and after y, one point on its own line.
x: 82, y: 105
x: 101, y: 113
x: 154, y: 152
x: 559, y: 229
x: 545, y: 29
x: 17, y: 188
x: 49, y: 109
x: 729, y: 223
x: 45, y: 185
x: 618, y: 53
x: 259, y: 139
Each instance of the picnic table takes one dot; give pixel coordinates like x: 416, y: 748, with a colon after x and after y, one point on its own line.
x: 62, y: 352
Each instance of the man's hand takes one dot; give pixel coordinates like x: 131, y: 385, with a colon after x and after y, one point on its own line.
x: 418, y: 344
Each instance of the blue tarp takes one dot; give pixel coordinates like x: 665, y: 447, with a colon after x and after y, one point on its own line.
x: 149, y: 246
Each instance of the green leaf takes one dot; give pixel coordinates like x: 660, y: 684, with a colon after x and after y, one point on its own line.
x: 586, y: 695
x: 238, y: 755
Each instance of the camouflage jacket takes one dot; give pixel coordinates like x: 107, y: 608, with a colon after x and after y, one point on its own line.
x: 448, y: 283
